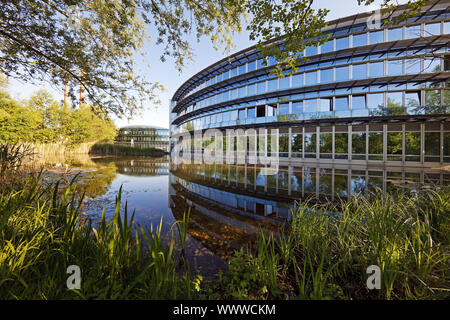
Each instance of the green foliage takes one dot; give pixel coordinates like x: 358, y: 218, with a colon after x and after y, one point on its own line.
x: 41, y: 119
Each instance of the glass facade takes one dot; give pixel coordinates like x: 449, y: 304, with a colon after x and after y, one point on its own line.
x: 398, y: 76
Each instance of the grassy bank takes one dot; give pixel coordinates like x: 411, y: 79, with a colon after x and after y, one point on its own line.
x: 122, y: 150
x: 323, y: 254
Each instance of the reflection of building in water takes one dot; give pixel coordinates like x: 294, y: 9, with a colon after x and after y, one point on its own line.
x: 379, y: 95
x: 143, y: 167
x: 246, y: 189
x: 144, y: 137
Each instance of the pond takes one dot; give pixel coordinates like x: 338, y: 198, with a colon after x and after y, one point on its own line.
x: 229, y: 204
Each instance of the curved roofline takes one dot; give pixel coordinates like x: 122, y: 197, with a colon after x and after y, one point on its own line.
x: 331, y: 25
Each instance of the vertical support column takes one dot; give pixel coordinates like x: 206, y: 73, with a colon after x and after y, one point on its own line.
x: 367, y: 143
x: 403, y: 144
x: 384, y: 142
x: 290, y: 143
x: 422, y: 143
x: 303, y: 145
x: 290, y: 172
x: 317, y: 142
x: 333, y: 149
x: 349, y: 151
x: 441, y: 143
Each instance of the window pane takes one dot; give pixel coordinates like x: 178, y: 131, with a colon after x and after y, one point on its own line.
x: 297, y: 107
x: 412, y: 66
x: 311, y: 78
x: 250, y: 90
x: 242, y: 114
x: 375, y: 100
x: 358, y: 102
x: 311, y: 105
x: 272, y: 84
x: 261, y: 111
x: 447, y: 27
x: 376, y: 69
x: 412, y: 32
x: 342, y: 74
x: 432, y: 29
x: 341, y: 103
x: 285, y: 82
x: 310, y: 142
x: 296, y: 142
x: 261, y: 87
x: 297, y: 80
x: 311, y: 51
x: 432, y: 65
x: 358, y: 143
x: 325, y: 104
x: 251, y: 113
x: 326, y: 142
x: 394, y: 99
x: 395, y: 34
x: 242, y: 69
x: 359, y: 71
x: 432, y: 143
x: 395, y: 67
x: 242, y: 92
x: 326, y: 76
x: 394, y: 144
x: 283, y: 108
x: 341, y: 143
x: 233, y: 72
x: 433, y: 101
x: 226, y: 75
x: 342, y: 43
x: 359, y: 40
x: 412, y: 143
x: 327, y: 46
x: 376, y: 143
x: 376, y: 37
x: 251, y: 66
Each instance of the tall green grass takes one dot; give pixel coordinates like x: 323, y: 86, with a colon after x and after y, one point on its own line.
x: 325, y: 250
x: 42, y: 232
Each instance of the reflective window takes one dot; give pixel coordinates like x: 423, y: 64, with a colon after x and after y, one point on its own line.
x: 376, y: 37
x: 311, y: 105
x: 395, y: 67
x: 341, y: 103
x: 412, y: 102
x: 412, y: 144
x: 297, y: 80
x: 251, y: 90
x: 261, y: 87
x: 342, y: 43
x: 358, y: 102
x: 242, y: 92
x: 432, y: 64
x: 285, y: 82
x: 433, y: 101
x: 394, y: 146
x: 234, y: 72
x: 251, y: 66
x: 432, y: 29
x: 219, y: 117
x: 297, y: 107
x: 432, y: 145
x: 251, y: 113
x: 241, y: 114
x: 226, y: 75
x: 413, y: 32
x: 376, y: 69
x: 327, y: 46
x: 242, y: 69
x: 341, y: 144
x: 359, y: 40
x: 395, y: 102
x: 326, y: 76
x: 342, y: 74
x: 359, y: 71
x: 311, y: 51
x: 395, y: 34
x: 283, y: 108
x: 310, y: 143
x: 375, y: 100
x: 233, y: 115
x: 359, y: 145
x: 325, y: 104
x: 311, y: 78
x: 375, y: 146
x: 412, y: 66
x: 260, y: 63
x: 272, y: 84
x: 447, y: 27
x: 297, y: 142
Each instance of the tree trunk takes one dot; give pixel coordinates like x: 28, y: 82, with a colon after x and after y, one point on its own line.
x: 66, y: 94
x: 82, y: 90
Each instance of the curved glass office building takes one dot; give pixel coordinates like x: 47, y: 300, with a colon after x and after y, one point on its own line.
x: 143, y: 137
x: 367, y: 95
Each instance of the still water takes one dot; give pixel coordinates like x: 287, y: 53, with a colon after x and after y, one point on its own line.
x: 229, y: 204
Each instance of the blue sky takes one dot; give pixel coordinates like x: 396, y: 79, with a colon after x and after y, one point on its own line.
x: 167, y: 74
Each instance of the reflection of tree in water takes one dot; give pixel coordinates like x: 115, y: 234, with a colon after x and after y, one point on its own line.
x: 96, y: 184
